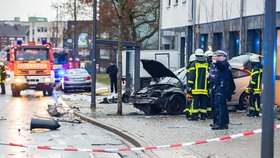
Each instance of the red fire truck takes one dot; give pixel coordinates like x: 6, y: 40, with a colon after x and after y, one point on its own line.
x: 31, y: 67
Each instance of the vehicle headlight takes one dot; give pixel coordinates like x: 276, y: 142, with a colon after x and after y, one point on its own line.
x: 18, y: 80
x: 47, y: 80
x: 61, y: 72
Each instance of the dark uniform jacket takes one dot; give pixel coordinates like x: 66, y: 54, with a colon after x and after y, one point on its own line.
x: 197, y: 81
x: 112, y: 70
x: 256, y: 77
x: 223, y: 80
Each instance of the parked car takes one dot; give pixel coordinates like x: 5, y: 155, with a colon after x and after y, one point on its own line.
x: 169, y: 93
x: 76, y: 79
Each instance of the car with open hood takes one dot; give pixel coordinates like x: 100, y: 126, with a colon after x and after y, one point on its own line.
x: 167, y: 94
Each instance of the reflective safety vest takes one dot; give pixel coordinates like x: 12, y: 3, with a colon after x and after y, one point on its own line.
x: 197, y: 80
x: 255, y: 79
x: 2, y: 76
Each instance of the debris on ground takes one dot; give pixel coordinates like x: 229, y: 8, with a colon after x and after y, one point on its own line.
x: 42, y: 123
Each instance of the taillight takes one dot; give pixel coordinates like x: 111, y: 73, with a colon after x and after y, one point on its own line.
x: 88, y: 78
x: 66, y: 78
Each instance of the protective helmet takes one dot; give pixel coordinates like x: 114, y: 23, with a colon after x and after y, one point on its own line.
x: 192, y: 58
x: 209, y: 52
x: 255, y: 58
x: 199, y: 52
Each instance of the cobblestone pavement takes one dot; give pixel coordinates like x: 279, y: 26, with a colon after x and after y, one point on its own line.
x: 164, y: 129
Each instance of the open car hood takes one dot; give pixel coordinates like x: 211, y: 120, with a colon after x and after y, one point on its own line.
x: 157, y: 69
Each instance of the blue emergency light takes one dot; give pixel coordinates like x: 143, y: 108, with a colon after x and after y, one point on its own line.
x: 61, y: 72
x: 44, y: 41
x: 19, y: 42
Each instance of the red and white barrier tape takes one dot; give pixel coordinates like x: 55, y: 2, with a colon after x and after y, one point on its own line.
x: 140, y: 148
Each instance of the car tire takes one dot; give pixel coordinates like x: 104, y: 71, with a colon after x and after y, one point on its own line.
x: 50, y: 92
x: 244, y: 101
x: 15, y: 93
x: 175, y: 105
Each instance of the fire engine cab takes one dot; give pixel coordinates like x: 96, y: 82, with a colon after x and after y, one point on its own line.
x: 31, y: 67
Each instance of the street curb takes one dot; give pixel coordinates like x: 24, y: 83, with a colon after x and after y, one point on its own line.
x: 108, y: 128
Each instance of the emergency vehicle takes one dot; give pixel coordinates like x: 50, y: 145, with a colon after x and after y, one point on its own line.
x: 31, y: 67
x: 62, y: 62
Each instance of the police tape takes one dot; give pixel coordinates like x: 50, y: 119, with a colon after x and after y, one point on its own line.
x: 140, y: 148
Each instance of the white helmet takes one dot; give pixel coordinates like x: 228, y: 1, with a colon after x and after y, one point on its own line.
x: 199, y: 52
x: 208, y: 53
x: 192, y: 58
x: 255, y: 58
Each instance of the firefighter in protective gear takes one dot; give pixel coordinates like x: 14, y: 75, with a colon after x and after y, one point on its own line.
x: 197, y: 86
x: 254, y: 88
x: 188, y: 95
x: 224, y: 88
x: 2, y: 78
x: 208, y: 55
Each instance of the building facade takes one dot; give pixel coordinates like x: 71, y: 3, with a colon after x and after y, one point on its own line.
x: 215, y: 23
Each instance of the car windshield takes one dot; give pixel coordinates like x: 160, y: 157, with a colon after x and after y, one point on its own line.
x: 76, y: 71
x: 29, y: 54
x: 60, y: 58
x: 180, y: 73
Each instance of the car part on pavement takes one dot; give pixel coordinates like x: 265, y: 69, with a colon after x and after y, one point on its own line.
x: 41, y: 123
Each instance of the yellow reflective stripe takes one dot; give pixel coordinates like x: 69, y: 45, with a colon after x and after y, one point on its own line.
x: 255, y: 72
x: 203, y: 110
x: 190, y: 69
x: 253, y: 82
x: 196, y: 76
x: 191, y: 109
x: 247, y: 90
x: 195, y: 111
x: 256, y: 106
x: 252, y: 108
x: 186, y: 110
x: 189, y: 81
x: 259, y: 79
x: 209, y: 109
x: 257, y: 91
x: 195, y: 91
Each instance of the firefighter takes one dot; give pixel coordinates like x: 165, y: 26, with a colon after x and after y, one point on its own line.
x: 2, y: 78
x: 189, y: 97
x: 254, y: 88
x: 224, y: 88
x: 208, y: 55
x: 197, y: 87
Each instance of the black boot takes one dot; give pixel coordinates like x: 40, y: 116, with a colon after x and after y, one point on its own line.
x: 194, y: 117
x: 203, y: 116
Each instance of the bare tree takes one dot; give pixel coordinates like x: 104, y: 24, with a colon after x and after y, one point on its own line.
x: 226, y: 12
x: 210, y: 26
x: 119, y: 6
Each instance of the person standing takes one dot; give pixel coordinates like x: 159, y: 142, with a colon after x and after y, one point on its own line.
x: 2, y: 78
x: 254, y: 88
x: 224, y: 88
x: 197, y: 87
x: 189, y: 97
x: 112, y: 70
x: 209, y: 55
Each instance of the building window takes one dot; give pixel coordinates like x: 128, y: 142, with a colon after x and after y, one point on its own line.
x: 184, y: 1
x: 169, y: 3
x: 42, y: 29
x: 176, y: 3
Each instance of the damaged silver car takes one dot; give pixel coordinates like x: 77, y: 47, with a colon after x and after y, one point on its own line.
x: 166, y: 94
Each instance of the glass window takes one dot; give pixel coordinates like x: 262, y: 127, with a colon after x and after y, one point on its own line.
x: 29, y: 54
x: 60, y: 58
x: 76, y: 71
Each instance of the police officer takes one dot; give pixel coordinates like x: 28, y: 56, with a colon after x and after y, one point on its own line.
x: 2, y: 78
x: 224, y: 88
x: 254, y: 88
x: 189, y: 96
x: 197, y: 86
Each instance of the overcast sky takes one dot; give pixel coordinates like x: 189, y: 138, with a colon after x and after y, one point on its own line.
x: 25, y: 8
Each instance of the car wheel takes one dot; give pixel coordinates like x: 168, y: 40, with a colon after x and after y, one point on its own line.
x: 50, y: 92
x: 175, y: 105
x: 44, y: 93
x: 244, y: 101
x: 15, y: 93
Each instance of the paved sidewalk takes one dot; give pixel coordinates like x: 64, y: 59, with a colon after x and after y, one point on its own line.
x: 164, y: 130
